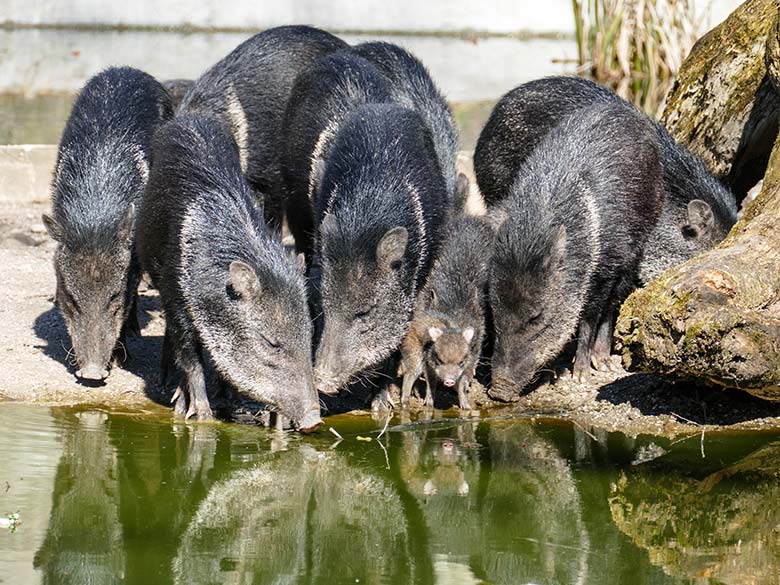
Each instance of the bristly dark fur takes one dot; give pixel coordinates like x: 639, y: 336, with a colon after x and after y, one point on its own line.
x: 381, y: 180
x: 259, y: 75
x: 411, y: 85
x: 525, y: 115
x: 323, y: 96
x: 200, y: 218
x: 102, y: 167
x: 579, y: 213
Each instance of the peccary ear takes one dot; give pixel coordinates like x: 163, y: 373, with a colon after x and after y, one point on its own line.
x: 299, y: 261
x: 126, y: 225
x: 328, y: 224
x: 700, y: 219
x: 434, y: 333
x: 53, y: 227
x: 557, y: 248
x: 242, y: 279
x: 468, y: 334
x: 461, y: 192
x: 392, y: 246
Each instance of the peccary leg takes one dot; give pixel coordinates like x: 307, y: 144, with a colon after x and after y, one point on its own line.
x: 430, y: 384
x: 167, y: 362
x: 463, y: 388
x: 191, y: 365
x: 602, y: 347
x: 585, y: 338
x: 382, y: 400
x: 413, y: 369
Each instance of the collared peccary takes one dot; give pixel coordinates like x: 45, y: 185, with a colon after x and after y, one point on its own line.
x: 102, y: 167
x: 250, y: 88
x: 567, y: 253
x: 445, y: 337
x: 411, y: 85
x: 380, y: 207
x: 226, y: 285
x: 323, y: 96
x: 177, y: 89
x: 698, y: 212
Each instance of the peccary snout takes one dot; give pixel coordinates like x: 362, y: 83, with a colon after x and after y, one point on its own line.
x: 310, y: 421
x: 92, y: 371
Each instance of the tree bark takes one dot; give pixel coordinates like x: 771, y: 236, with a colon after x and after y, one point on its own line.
x: 716, y: 317
x: 722, y: 104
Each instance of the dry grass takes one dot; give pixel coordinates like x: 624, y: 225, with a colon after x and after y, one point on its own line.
x: 635, y: 46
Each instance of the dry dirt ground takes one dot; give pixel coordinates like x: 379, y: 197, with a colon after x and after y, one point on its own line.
x: 34, y: 364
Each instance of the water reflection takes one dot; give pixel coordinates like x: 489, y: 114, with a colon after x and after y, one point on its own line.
x: 139, y: 500
x: 724, y: 526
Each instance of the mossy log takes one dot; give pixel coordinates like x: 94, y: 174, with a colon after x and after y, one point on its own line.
x: 717, y: 317
x: 723, y: 104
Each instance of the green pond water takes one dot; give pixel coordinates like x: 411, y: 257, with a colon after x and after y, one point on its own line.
x: 130, y: 497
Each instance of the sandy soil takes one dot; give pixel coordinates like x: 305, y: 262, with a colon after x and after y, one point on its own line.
x: 34, y: 367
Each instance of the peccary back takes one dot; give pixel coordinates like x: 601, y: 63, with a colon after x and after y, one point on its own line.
x: 323, y: 96
x: 250, y: 88
x: 698, y: 213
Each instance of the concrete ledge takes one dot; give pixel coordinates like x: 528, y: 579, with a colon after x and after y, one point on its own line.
x: 25, y: 172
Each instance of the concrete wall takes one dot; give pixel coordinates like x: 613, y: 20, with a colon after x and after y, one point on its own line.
x: 498, y: 16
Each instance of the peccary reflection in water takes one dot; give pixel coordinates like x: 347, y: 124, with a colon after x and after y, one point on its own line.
x: 507, y: 510
x: 83, y: 543
x: 300, y: 514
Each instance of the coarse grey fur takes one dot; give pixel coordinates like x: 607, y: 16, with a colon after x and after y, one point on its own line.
x: 568, y: 251
x: 226, y: 285
x: 323, y: 96
x: 379, y: 211
x: 698, y: 212
x: 102, y: 167
x: 250, y: 88
x: 445, y: 337
x: 411, y: 85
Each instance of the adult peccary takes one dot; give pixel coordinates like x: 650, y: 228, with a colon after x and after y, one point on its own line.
x: 411, y: 85
x: 226, y: 286
x: 323, y: 96
x: 445, y: 337
x: 102, y: 167
x: 698, y: 212
x: 250, y: 88
x: 577, y: 218
x: 380, y: 207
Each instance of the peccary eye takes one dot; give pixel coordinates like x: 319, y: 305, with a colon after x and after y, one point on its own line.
x: 533, y: 319
x: 68, y: 299
x: 361, y: 315
x: 270, y: 341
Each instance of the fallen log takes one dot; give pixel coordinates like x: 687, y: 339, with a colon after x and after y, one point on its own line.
x: 716, y: 318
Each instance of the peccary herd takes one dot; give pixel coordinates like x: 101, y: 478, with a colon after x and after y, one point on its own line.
x: 355, y: 147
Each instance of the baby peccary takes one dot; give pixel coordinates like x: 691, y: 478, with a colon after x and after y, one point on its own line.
x: 379, y: 208
x: 227, y: 287
x: 323, y: 96
x: 412, y: 86
x: 698, y: 211
x: 250, y: 88
x: 577, y: 218
x: 445, y: 338
x: 102, y: 168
